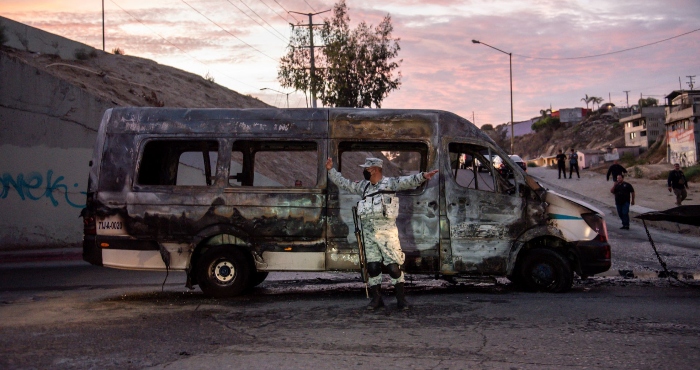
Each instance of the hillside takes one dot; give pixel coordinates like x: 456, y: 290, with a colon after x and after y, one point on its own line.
x: 126, y: 80
x: 595, y: 132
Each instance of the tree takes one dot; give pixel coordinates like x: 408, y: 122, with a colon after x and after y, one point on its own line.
x: 356, y: 67
x: 596, y: 100
x: 648, y: 102
x: 487, y: 127
x: 586, y: 100
x: 546, y: 123
x: 545, y: 112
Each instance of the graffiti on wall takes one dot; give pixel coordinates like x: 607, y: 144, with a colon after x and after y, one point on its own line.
x: 681, y: 144
x: 34, y: 186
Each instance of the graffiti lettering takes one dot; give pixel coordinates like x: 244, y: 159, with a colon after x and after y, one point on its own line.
x: 33, y: 187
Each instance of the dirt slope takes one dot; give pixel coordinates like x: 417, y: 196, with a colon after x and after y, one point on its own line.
x: 131, y: 81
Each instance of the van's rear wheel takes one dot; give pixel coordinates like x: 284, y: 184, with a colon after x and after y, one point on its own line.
x: 223, y: 271
x: 547, y: 271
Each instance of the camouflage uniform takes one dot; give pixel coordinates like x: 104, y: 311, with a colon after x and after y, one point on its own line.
x: 381, y: 236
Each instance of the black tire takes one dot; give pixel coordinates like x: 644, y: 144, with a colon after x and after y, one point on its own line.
x: 546, y: 271
x: 257, y: 278
x: 223, y: 271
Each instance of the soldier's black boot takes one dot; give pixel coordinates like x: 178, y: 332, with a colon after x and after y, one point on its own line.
x: 377, y: 301
x: 401, y: 302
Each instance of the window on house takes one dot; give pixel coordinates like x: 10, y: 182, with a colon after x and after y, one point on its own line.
x: 178, y: 163
x: 287, y: 164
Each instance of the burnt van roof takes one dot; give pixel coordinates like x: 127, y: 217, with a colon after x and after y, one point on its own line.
x: 295, y: 122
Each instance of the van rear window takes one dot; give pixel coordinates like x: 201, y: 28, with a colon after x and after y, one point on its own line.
x: 178, y: 163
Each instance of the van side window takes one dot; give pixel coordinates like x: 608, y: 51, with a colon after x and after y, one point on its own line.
x: 473, y: 168
x: 400, y: 158
x: 178, y: 163
x: 288, y: 164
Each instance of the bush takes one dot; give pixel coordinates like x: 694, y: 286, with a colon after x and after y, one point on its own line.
x: 531, y: 164
x: 209, y: 77
x: 692, y: 173
x: 118, y: 51
x: 546, y: 123
x: 487, y: 127
x: 81, y: 54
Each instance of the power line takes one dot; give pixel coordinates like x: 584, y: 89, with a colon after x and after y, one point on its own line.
x: 283, y: 38
x: 312, y: 8
x: 173, y: 45
x: 225, y: 30
x: 274, y: 11
x: 286, y: 11
x: 612, y: 52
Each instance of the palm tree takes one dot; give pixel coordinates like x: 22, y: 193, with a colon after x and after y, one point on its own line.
x: 545, y: 112
x: 597, y: 100
x: 586, y: 100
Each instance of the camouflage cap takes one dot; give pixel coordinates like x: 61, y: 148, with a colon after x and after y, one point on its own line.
x: 372, y: 162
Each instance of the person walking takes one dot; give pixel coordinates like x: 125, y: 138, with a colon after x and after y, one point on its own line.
x: 378, y: 210
x: 624, y: 197
x: 614, y: 170
x: 561, y: 163
x: 573, y: 163
x: 678, y: 183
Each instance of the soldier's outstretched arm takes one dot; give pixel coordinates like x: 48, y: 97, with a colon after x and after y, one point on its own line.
x: 342, y: 182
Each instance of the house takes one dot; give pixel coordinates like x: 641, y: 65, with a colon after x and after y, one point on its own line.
x: 682, y: 112
x: 542, y: 161
x: 521, y: 128
x: 645, y: 127
x: 571, y: 115
x: 590, y: 157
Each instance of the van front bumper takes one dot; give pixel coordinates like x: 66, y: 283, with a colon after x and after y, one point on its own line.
x: 593, y: 257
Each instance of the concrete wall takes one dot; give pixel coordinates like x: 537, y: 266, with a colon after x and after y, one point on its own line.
x: 27, y: 38
x: 47, y: 131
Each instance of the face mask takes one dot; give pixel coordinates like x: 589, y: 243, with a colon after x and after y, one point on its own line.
x: 366, y: 174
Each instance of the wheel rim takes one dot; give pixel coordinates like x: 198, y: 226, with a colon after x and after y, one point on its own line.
x: 223, y: 272
x: 543, y: 274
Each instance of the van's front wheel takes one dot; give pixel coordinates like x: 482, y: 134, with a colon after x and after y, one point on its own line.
x: 546, y: 270
x: 223, y: 271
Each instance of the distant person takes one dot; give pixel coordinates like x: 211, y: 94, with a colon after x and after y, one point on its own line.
x: 573, y: 163
x: 614, y: 170
x: 678, y: 183
x: 561, y: 163
x: 624, y: 197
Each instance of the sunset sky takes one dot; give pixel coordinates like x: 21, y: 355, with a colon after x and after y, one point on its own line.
x: 562, y: 49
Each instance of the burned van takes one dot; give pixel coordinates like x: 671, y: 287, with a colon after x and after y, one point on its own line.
x: 229, y: 195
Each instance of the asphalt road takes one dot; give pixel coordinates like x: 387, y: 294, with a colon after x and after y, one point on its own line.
x: 79, y: 316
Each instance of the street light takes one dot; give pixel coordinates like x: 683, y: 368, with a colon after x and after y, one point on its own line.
x: 510, y: 61
x: 267, y: 88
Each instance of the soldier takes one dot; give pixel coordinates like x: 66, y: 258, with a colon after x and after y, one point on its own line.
x: 378, y: 210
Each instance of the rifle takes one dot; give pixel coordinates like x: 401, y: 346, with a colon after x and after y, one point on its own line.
x: 361, y: 247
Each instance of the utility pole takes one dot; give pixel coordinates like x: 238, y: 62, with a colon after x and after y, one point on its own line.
x: 691, y: 81
x: 627, y: 94
x: 103, y: 25
x: 312, y: 69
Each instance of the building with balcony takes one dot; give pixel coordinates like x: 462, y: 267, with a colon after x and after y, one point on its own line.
x: 644, y: 128
x: 682, y: 118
